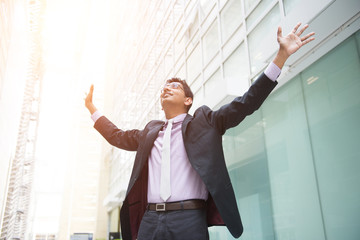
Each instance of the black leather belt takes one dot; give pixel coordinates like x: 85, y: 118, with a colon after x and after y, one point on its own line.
x: 181, y: 205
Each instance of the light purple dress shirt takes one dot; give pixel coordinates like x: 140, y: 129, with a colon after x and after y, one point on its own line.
x: 184, y: 180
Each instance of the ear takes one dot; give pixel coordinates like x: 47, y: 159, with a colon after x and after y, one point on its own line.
x: 188, y: 101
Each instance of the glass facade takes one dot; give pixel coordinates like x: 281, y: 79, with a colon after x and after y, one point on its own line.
x: 295, y: 162
x: 275, y: 157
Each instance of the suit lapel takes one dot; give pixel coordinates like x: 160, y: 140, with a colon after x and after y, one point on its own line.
x: 143, y: 155
x: 185, y: 124
x: 150, y: 139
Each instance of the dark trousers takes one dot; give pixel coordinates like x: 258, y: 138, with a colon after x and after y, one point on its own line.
x: 174, y: 225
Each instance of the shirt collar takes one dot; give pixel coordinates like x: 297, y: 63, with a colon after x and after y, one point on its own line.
x: 178, y: 118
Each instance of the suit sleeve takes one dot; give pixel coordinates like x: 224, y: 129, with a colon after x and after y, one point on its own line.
x: 127, y: 140
x: 231, y: 114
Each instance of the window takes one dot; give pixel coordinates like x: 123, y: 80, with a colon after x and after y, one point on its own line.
x: 250, y: 4
x: 258, y: 49
x: 333, y: 109
x: 236, y: 68
x: 205, y: 7
x: 211, y: 85
x: 194, y: 64
x: 211, y: 42
x: 257, y: 12
x: 294, y: 163
x: 289, y: 5
x: 179, y: 46
x: 231, y: 18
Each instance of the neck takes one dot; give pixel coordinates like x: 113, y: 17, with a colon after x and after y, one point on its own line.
x: 171, y: 115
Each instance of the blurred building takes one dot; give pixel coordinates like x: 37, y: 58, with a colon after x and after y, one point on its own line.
x: 20, y: 80
x: 293, y: 163
x: 71, y: 176
x: 42, y: 50
x: 7, y: 141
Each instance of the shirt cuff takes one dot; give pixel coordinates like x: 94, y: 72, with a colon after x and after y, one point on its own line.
x: 272, y: 71
x: 96, y: 115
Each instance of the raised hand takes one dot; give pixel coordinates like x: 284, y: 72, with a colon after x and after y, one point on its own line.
x: 291, y: 43
x: 88, y: 100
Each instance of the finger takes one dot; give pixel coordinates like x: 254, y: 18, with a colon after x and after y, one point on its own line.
x: 308, y: 40
x: 302, y: 29
x: 307, y: 36
x: 92, y: 88
x: 279, y: 32
x: 296, y: 27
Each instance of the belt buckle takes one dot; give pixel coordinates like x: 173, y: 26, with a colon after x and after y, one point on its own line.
x: 160, y: 207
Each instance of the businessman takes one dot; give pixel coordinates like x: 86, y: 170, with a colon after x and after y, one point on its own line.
x: 179, y: 183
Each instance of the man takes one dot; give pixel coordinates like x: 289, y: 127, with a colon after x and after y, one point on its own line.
x: 179, y: 183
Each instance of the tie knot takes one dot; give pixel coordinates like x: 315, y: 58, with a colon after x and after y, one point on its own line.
x: 170, y: 122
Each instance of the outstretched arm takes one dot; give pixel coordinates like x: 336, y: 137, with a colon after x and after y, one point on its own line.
x: 291, y: 43
x: 127, y: 140
x: 88, y: 101
x: 232, y: 114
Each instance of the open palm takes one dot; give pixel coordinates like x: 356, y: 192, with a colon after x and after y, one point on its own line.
x: 293, y: 41
x: 89, y: 100
x: 89, y: 96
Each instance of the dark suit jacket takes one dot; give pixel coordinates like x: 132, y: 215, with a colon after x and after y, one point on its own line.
x: 202, y: 134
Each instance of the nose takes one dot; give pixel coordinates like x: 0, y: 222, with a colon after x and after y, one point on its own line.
x: 166, y: 88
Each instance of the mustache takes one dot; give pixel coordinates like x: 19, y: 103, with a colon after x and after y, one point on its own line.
x: 166, y: 91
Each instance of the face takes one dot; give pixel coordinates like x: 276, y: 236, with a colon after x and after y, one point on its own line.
x: 173, y: 95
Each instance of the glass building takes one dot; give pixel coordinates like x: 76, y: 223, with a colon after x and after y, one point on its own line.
x: 295, y: 162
